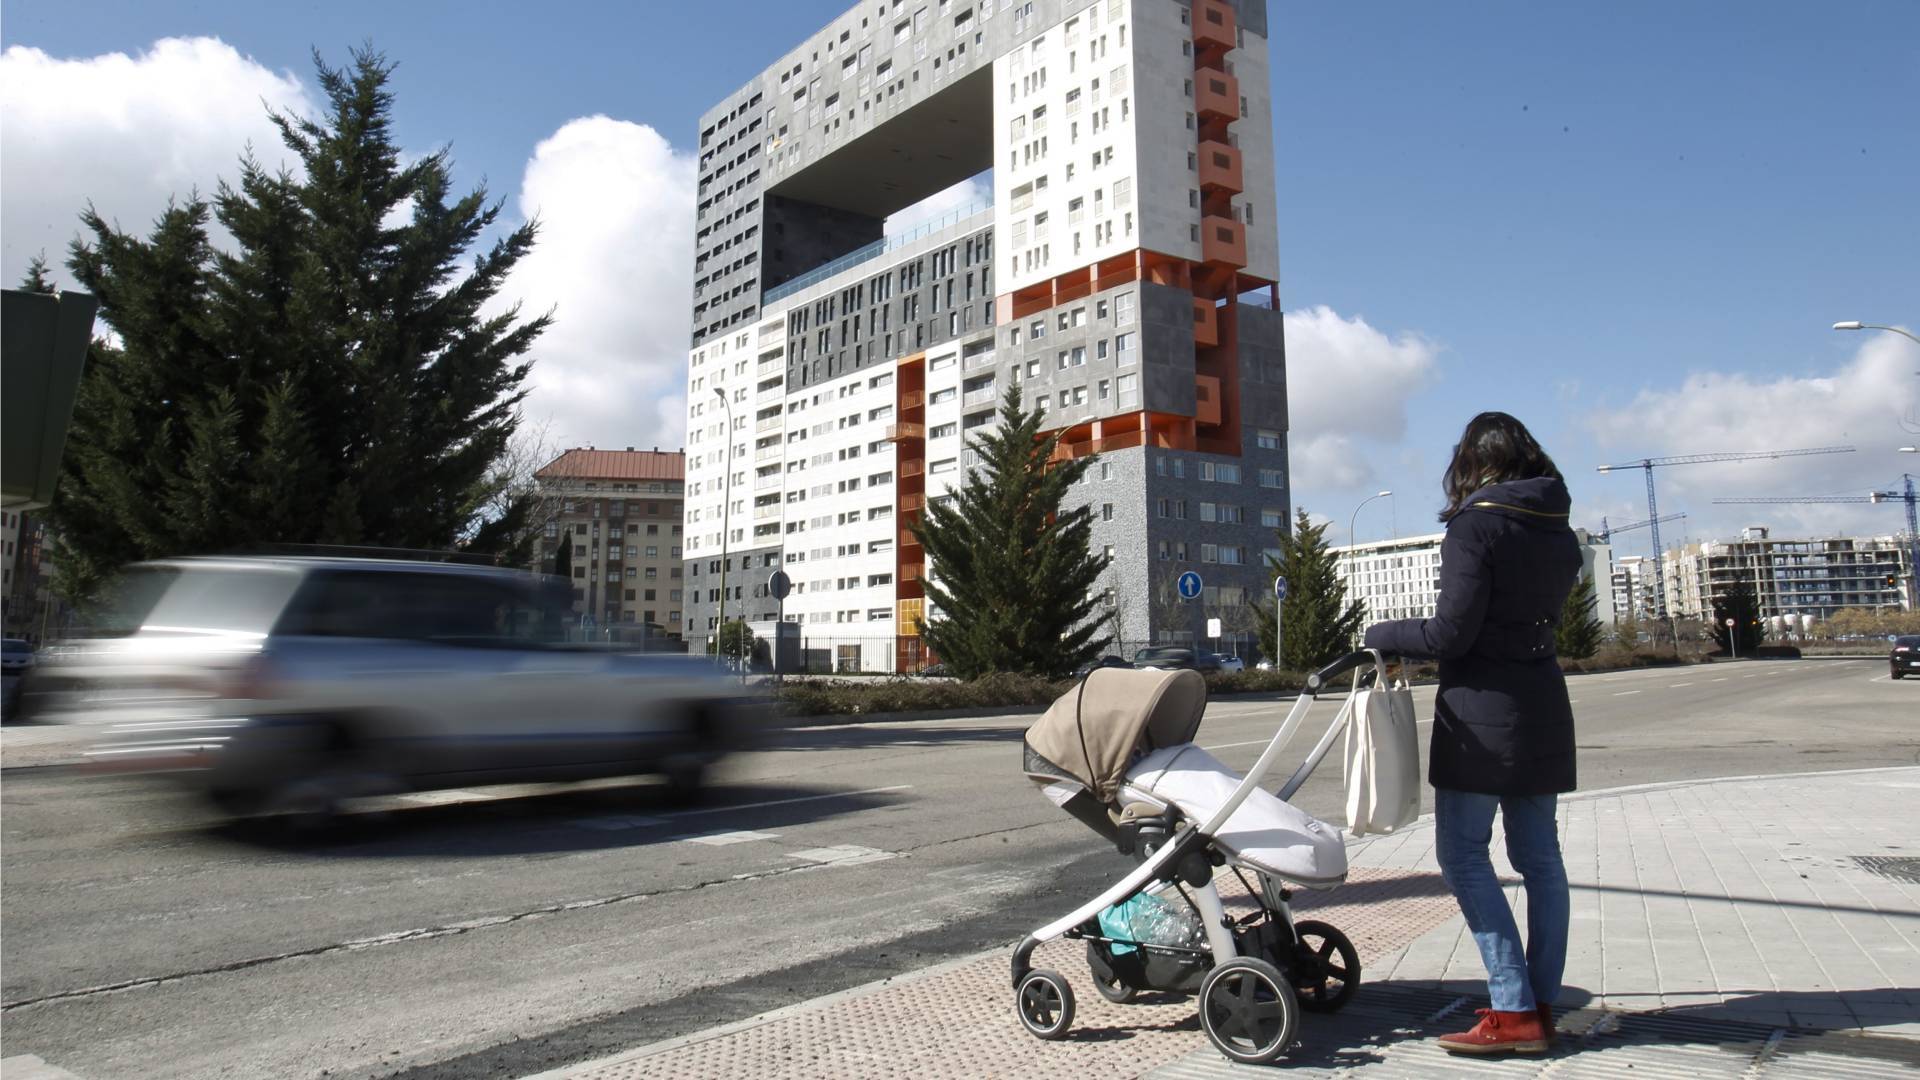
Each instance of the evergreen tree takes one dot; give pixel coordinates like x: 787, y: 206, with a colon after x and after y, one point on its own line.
x: 330, y: 379
x: 1579, y: 634
x: 1626, y: 629
x: 1738, y: 603
x: 1321, y: 624
x: 1014, y: 574
x: 734, y: 640
x: 37, y: 279
x: 563, y: 557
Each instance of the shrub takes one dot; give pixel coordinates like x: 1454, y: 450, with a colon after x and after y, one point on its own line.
x: 845, y: 697
x: 1254, y: 682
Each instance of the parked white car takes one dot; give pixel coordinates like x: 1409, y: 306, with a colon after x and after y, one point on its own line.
x: 1232, y: 663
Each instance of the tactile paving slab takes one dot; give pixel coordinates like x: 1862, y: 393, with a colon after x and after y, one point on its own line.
x: 958, y: 1022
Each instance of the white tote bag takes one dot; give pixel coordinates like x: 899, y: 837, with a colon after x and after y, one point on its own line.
x: 1382, y: 757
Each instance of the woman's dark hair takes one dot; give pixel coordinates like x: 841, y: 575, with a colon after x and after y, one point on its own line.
x: 1494, y: 449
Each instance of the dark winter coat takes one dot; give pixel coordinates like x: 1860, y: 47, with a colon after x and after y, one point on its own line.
x: 1502, y: 724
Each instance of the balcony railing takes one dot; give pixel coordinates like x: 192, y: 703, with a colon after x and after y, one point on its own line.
x: 897, y: 432
x: 879, y: 247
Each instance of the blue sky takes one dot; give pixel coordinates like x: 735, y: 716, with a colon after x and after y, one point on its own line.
x: 1630, y: 224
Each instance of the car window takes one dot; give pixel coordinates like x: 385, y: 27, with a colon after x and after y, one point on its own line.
x: 395, y: 605
x: 235, y: 599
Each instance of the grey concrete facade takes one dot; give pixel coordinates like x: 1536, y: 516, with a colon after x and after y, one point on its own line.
x: 1085, y: 284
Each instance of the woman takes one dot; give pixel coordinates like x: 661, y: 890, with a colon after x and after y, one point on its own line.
x: 1503, y: 728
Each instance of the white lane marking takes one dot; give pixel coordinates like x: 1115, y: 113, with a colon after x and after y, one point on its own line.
x: 843, y: 855
x: 787, y: 802
x: 1671, y: 686
x: 613, y: 822
x: 1573, y: 701
x: 1723, y: 679
x: 1624, y: 693
x: 442, y: 798
x: 721, y: 838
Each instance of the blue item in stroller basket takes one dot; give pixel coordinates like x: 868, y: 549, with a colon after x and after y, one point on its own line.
x: 1148, y: 920
x: 1117, y: 754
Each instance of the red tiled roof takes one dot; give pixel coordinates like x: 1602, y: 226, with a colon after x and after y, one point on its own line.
x: 617, y: 465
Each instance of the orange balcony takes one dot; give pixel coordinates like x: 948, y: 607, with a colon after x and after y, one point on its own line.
x: 912, y: 467
x: 1206, y: 399
x: 913, y: 399
x: 1206, y: 323
x: 1223, y: 241
x: 902, y: 432
x: 1220, y: 168
x: 912, y: 502
x: 908, y: 540
x: 1213, y: 25
x: 1216, y: 95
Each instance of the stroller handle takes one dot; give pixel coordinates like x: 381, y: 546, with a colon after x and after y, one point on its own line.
x: 1359, y: 658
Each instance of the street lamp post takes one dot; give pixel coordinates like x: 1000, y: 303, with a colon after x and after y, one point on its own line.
x: 1855, y: 324
x: 1356, y: 515
x: 726, y: 516
x: 1353, y: 557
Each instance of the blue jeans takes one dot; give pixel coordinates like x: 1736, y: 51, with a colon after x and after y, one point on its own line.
x: 1517, y: 978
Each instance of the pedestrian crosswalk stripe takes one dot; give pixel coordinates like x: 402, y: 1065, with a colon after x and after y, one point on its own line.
x: 721, y: 838
x: 842, y: 855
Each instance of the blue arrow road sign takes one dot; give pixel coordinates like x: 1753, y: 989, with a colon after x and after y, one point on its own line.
x: 1279, y: 588
x: 1189, y: 585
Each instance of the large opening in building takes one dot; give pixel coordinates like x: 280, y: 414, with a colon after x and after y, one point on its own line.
x: 836, y: 210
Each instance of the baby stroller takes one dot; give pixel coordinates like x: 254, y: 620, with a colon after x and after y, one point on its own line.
x: 1117, y: 753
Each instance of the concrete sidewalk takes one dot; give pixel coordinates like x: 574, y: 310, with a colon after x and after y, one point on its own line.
x: 1747, y: 927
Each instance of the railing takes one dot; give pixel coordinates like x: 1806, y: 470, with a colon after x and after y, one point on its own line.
x: 879, y: 247
x: 770, y: 423
x: 906, y: 431
x: 975, y: 397
x: 912, y: 399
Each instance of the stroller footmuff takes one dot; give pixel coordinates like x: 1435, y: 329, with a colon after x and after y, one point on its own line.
x: 1117, y: 754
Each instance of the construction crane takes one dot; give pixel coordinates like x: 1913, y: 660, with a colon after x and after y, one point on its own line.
x: 1653, y: 509
x: 1906, y: 496
x: 1606, y: 531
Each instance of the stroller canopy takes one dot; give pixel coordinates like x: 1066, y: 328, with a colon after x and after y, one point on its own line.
x: 1092, y: 733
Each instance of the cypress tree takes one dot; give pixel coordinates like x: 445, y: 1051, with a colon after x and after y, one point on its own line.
x: 1321, y: 624
x: 1014, y: 576
x: 1579, y: 634
x: 331, y: 378
x: 1739, y: 604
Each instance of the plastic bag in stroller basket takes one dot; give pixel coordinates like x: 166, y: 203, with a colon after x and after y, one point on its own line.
x: 1148, y: 919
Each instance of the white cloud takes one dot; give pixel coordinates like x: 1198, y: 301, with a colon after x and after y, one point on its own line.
x: 127, y: 133
x: 1860, y: 404
x: 1348, y: 386
x: 973, y: 191
x: 614, y: 260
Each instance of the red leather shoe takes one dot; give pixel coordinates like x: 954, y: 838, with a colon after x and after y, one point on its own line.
x: 1546, y: 1021
x: 1499, y: 1033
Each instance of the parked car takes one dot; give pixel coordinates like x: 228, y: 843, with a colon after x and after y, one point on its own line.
x: 933, y: 671
x: 290, y: 685
x: 1173, y: 658
x: 1232, y: 663
x: 1904, y: 658
x: 16, y: 662
x: 1106, y: 661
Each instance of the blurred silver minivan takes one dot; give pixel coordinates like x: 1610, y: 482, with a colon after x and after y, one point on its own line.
x: 289, y: 685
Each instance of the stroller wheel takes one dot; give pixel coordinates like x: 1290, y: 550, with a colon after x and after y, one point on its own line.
x: 1111, y: 986
x: 1045, y: 1002
x: 1326, y: 967
x: 1248, y: 1010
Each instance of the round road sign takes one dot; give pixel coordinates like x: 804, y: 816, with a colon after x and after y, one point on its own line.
x: 1279, y: 588
x: 779, y: 584
x: 1189, y: 585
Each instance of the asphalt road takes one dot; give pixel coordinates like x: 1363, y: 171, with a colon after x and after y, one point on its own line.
x: 502, y: 936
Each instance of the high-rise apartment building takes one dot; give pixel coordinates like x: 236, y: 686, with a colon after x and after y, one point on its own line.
x: 1122, y: 276
x: 619, y: 514
x: 1808, y: 577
